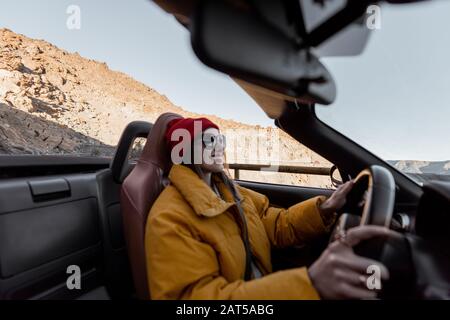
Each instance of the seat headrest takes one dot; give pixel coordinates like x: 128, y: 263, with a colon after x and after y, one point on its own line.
x: 156, y: 150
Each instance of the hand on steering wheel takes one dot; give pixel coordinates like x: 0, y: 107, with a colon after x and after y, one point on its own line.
x: 337, y: 200
x: 341, y: 274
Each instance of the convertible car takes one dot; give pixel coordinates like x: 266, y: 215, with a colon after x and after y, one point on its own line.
x: 57, y: 212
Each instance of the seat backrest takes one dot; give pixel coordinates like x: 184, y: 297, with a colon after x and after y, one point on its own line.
x: 139, y: 191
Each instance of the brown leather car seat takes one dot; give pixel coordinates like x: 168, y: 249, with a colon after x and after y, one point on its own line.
x: 139, y: 191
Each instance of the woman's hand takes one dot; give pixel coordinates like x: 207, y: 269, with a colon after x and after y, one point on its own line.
x: 340, y: 274
x: 337, y: 200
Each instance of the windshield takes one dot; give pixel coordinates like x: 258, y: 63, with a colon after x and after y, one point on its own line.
x: 394, y: 99
x: 73, y: 75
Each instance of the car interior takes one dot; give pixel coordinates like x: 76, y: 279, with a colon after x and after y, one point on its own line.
x: 57, y: 211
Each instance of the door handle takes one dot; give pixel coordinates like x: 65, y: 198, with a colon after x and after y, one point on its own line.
x: 49, y: 189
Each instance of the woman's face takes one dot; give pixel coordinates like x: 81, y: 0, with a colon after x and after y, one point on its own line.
x: 213, y: 148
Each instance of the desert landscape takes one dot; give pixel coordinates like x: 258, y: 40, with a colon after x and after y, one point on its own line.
x: 56, y: 102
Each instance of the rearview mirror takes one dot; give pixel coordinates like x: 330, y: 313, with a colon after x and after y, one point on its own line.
x: 234, y: 40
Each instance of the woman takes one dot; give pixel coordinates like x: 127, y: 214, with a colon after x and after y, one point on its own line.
x: 208, y: 238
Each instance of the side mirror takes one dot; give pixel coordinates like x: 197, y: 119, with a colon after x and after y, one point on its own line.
x: 236, y: 41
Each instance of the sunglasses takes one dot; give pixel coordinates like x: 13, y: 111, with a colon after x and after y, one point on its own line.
x: 211, y: 140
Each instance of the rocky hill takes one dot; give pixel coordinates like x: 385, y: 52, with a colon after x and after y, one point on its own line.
x: 56, y: 102
x: 424, y: 171
x: 427, y: 167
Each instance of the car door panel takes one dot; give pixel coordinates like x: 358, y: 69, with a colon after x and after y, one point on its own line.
x: 46, y: 225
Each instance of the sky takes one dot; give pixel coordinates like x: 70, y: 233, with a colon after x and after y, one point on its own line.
x: 394, y: 99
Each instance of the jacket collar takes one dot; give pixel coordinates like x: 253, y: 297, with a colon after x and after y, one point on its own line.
x: 198, y: 194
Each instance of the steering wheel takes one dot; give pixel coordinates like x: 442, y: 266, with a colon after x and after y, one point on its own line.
x: 370, y: 202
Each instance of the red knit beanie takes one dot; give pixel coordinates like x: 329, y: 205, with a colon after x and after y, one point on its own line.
x: 188, y: 124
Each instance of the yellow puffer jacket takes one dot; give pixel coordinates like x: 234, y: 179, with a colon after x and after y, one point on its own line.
x: 195, y: 250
